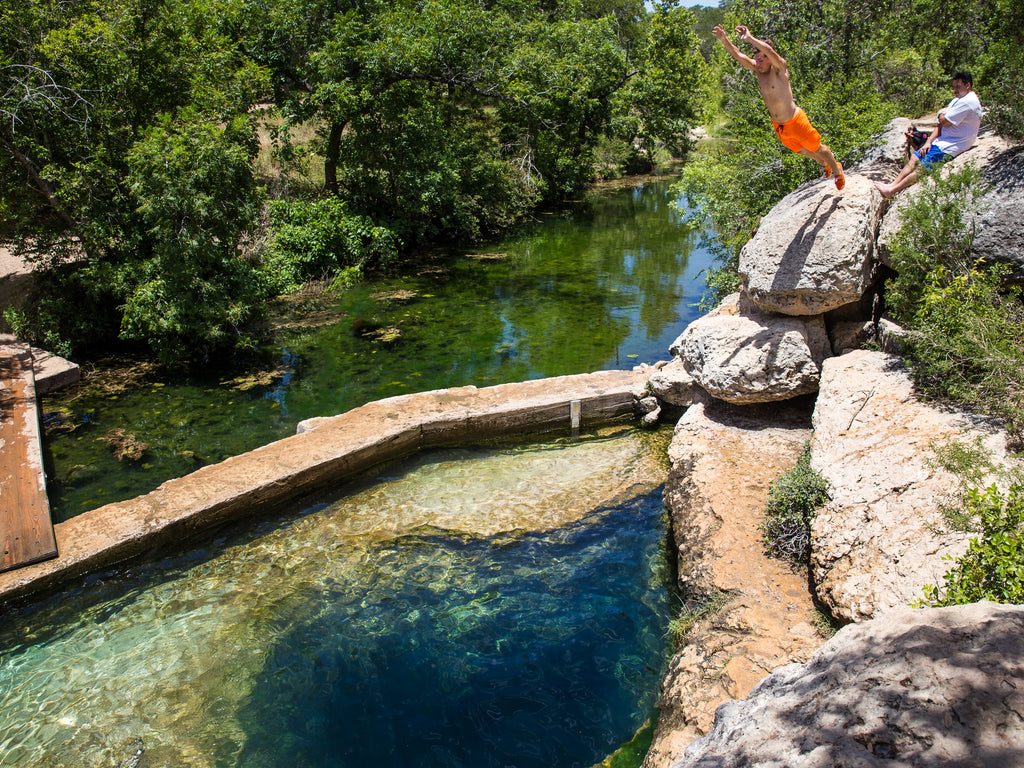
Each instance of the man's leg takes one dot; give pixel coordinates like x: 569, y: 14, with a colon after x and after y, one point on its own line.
x: 824, y: 156
x: 907, y: 177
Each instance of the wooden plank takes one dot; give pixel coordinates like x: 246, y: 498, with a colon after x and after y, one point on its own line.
x: 26, y: 531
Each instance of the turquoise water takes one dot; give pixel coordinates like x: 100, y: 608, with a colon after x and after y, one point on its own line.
x: 607, y: 287
x: 470, y: 607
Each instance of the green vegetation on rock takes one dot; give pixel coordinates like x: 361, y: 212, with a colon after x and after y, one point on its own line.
x: 793, y: 498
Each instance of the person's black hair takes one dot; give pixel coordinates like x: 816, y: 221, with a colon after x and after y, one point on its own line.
x: 964, y: 77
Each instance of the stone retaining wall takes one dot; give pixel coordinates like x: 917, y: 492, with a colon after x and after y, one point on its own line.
x: 326, y: 450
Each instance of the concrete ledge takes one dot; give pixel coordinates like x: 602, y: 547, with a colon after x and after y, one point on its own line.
x: 52, y: 372
x: 326, y: 450
x: 49, y: 371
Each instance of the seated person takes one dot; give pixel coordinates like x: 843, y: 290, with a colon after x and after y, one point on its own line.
x: 957, y: 129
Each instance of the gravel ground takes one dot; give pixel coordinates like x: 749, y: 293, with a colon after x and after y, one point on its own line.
x: 10, y: 264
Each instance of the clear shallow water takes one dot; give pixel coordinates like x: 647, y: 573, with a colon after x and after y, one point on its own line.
x: 476, y: 607
x: 607, y: 288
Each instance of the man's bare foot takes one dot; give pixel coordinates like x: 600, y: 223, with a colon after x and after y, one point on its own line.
x: 883, y: 190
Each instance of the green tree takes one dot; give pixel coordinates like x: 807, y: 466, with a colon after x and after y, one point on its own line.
x: 87, y: 89
x: 450, y: 118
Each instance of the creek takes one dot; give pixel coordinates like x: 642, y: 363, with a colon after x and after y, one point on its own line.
x: 608, y: 286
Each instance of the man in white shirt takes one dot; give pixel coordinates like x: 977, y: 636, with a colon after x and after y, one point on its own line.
x: 957, y: 129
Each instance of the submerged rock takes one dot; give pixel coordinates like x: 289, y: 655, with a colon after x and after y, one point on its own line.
x: 943, y: 686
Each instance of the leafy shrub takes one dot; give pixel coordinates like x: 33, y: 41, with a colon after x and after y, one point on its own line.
x: 936, y: 230
x: 38, y: 330
x: 968, y: 340
x: 312, y: 240
x: 993, y: 566
x: 793, y: 498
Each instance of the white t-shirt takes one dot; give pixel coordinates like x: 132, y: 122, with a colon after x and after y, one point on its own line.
x: 965, y: 115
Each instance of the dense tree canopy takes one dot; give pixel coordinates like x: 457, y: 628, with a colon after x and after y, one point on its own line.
x: 129, y: 136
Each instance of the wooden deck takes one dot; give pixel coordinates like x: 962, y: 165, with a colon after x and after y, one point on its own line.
x: 26, y: 531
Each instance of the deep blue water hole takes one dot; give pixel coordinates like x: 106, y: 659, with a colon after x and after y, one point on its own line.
x: 528, y: 651
x: 503, y: 606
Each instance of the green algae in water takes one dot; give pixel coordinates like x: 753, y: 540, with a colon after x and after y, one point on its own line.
x: 608, y: 288
x: 474, y: 606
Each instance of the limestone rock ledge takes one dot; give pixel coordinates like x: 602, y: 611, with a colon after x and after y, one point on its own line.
x: 882, y: 537
x: 723, y: 458
x: 942, y: 686
x: 741, y: 354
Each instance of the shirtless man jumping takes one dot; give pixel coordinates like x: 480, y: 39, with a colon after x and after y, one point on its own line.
x: 791, y: 123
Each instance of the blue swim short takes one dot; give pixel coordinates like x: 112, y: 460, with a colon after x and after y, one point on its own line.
x: 934, y: 158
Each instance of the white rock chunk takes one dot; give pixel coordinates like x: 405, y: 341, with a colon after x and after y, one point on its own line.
x: 740, y: 354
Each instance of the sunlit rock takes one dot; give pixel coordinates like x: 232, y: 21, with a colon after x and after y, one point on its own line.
x: 740, y: 354
x: 883, y: 537
x: 758, y: 609
x: 673, y: 385
x: 932, y: 687
x: 814, y: 251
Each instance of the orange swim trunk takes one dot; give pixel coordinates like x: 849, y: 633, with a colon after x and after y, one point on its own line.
x: 797, y: 133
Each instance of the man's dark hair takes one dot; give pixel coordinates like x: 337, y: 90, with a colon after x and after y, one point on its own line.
x: 964, y: 77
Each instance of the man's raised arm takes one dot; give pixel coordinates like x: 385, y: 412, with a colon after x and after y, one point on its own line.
x: 735, y: 52
x: 777, y: 61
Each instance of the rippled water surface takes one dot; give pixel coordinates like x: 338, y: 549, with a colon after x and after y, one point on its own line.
x: 605, y: 288
x: 472, y: 607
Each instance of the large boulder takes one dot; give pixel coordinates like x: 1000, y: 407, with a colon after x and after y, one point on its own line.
x: 814, y: 251
x: 883, y: 536
x: 1000, y: 224
x: 943, y: 686
x: 740, y: 354
x: 673, y: 385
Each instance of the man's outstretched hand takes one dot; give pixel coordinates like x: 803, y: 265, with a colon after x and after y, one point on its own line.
x: 742, y: 32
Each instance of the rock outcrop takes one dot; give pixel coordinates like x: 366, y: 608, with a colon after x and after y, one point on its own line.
x: 672, y: 385
x: 999, y: 225
x: 739, y: 354
x: 814, y: 251
x: 943, y: 686
x: 897, y: 686
x: 883, y: 537
x: 999, y: 235
x: 723, y: 459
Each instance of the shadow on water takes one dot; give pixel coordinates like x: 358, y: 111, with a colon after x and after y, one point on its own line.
x: 608, y: 288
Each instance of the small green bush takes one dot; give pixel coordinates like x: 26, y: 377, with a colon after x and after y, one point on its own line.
x: 793, y: 498
x: 968, y: 340
x: 313, y: 240
x: 993, y: 566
